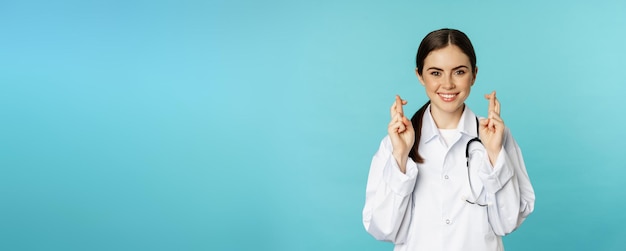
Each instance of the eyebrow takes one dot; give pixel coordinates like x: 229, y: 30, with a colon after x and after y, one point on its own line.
x: 455, y: 68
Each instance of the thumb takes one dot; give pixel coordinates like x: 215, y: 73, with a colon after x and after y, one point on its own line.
x: 407, y: 122
x: 484, y: 122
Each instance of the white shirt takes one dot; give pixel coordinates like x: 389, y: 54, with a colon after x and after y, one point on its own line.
x: 425, y: 209
x: 448, y: 136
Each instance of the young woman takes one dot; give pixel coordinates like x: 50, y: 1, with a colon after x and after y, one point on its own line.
x: 446, y: 179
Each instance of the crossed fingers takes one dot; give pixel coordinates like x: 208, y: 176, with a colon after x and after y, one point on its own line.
x: 494, y: 110
x: 397, y: 115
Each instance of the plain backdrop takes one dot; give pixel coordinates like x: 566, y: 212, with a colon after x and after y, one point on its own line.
x: 250, y: 125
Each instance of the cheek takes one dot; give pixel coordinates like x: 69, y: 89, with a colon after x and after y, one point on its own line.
x: 466, y: 80
x: 431, y: 85
x: 429, y: 81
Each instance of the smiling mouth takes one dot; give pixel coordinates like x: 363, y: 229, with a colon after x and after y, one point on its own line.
x: 448, y: 96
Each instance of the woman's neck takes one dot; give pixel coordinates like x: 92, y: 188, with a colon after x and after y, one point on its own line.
x: 446, y: 120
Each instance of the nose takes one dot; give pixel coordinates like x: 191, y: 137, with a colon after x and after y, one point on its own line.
x: 448, y: 83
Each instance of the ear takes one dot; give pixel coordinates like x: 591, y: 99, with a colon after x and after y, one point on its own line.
x: 475, y: 73
x: 419, y: 77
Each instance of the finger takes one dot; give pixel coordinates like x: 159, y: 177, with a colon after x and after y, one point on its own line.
x: 492, y: 101
x: 393, y: 126
x: 407, y: 122
x: 498, y: 123
x: 484, y: 122
x: 392, y: 110
x: 401, y: 128
x: 399, y: 105
x: 396, y: 117
x: 491, y: 119
x: 393, y: 129
x: 497, y: 118
x: 489, y: 97
x: 397, y: 127
x: 494, y: 115
x: 497, y: 107
x: 485, y: 125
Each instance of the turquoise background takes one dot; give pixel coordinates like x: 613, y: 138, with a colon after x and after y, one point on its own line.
x: 250, y: 125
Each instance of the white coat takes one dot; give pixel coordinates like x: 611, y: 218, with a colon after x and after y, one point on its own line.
x: 426, y: 208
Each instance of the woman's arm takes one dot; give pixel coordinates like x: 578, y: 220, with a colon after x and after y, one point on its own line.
x: 509, y: 193
x: 388, y: 198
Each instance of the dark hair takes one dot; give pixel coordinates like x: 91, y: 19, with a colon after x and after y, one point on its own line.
x: 436, y: 40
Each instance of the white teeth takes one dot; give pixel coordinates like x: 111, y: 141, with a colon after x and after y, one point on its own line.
x: 447, y: 95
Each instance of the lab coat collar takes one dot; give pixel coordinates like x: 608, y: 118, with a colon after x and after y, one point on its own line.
x: 467, y: 125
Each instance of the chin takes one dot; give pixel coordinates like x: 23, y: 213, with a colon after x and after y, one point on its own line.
x: 450, y: 107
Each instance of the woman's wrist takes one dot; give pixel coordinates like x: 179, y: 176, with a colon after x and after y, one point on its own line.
x: 401, y: 160
x: 493, y: 156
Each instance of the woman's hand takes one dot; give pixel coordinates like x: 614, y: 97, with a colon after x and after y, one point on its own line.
x: 401, y: 133
x: 492, y: 128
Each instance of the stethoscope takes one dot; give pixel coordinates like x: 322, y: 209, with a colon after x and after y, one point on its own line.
x: 467, y: 158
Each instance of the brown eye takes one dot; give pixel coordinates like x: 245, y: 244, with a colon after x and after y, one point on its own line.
x: 459, y: 72
x: 435, y: 73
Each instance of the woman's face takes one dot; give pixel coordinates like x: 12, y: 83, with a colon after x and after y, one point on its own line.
x: 447, y: 77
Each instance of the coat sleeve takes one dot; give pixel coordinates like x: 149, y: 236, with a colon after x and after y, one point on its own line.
x: 509, y: 194
x: 388, y: 196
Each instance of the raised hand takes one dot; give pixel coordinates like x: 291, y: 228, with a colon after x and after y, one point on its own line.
x: 401, y: 133
x: 492, y: 128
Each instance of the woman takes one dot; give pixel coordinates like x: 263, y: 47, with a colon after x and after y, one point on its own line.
x: 423, y: 193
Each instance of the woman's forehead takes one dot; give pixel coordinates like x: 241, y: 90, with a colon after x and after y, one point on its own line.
x: 448, y: 57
